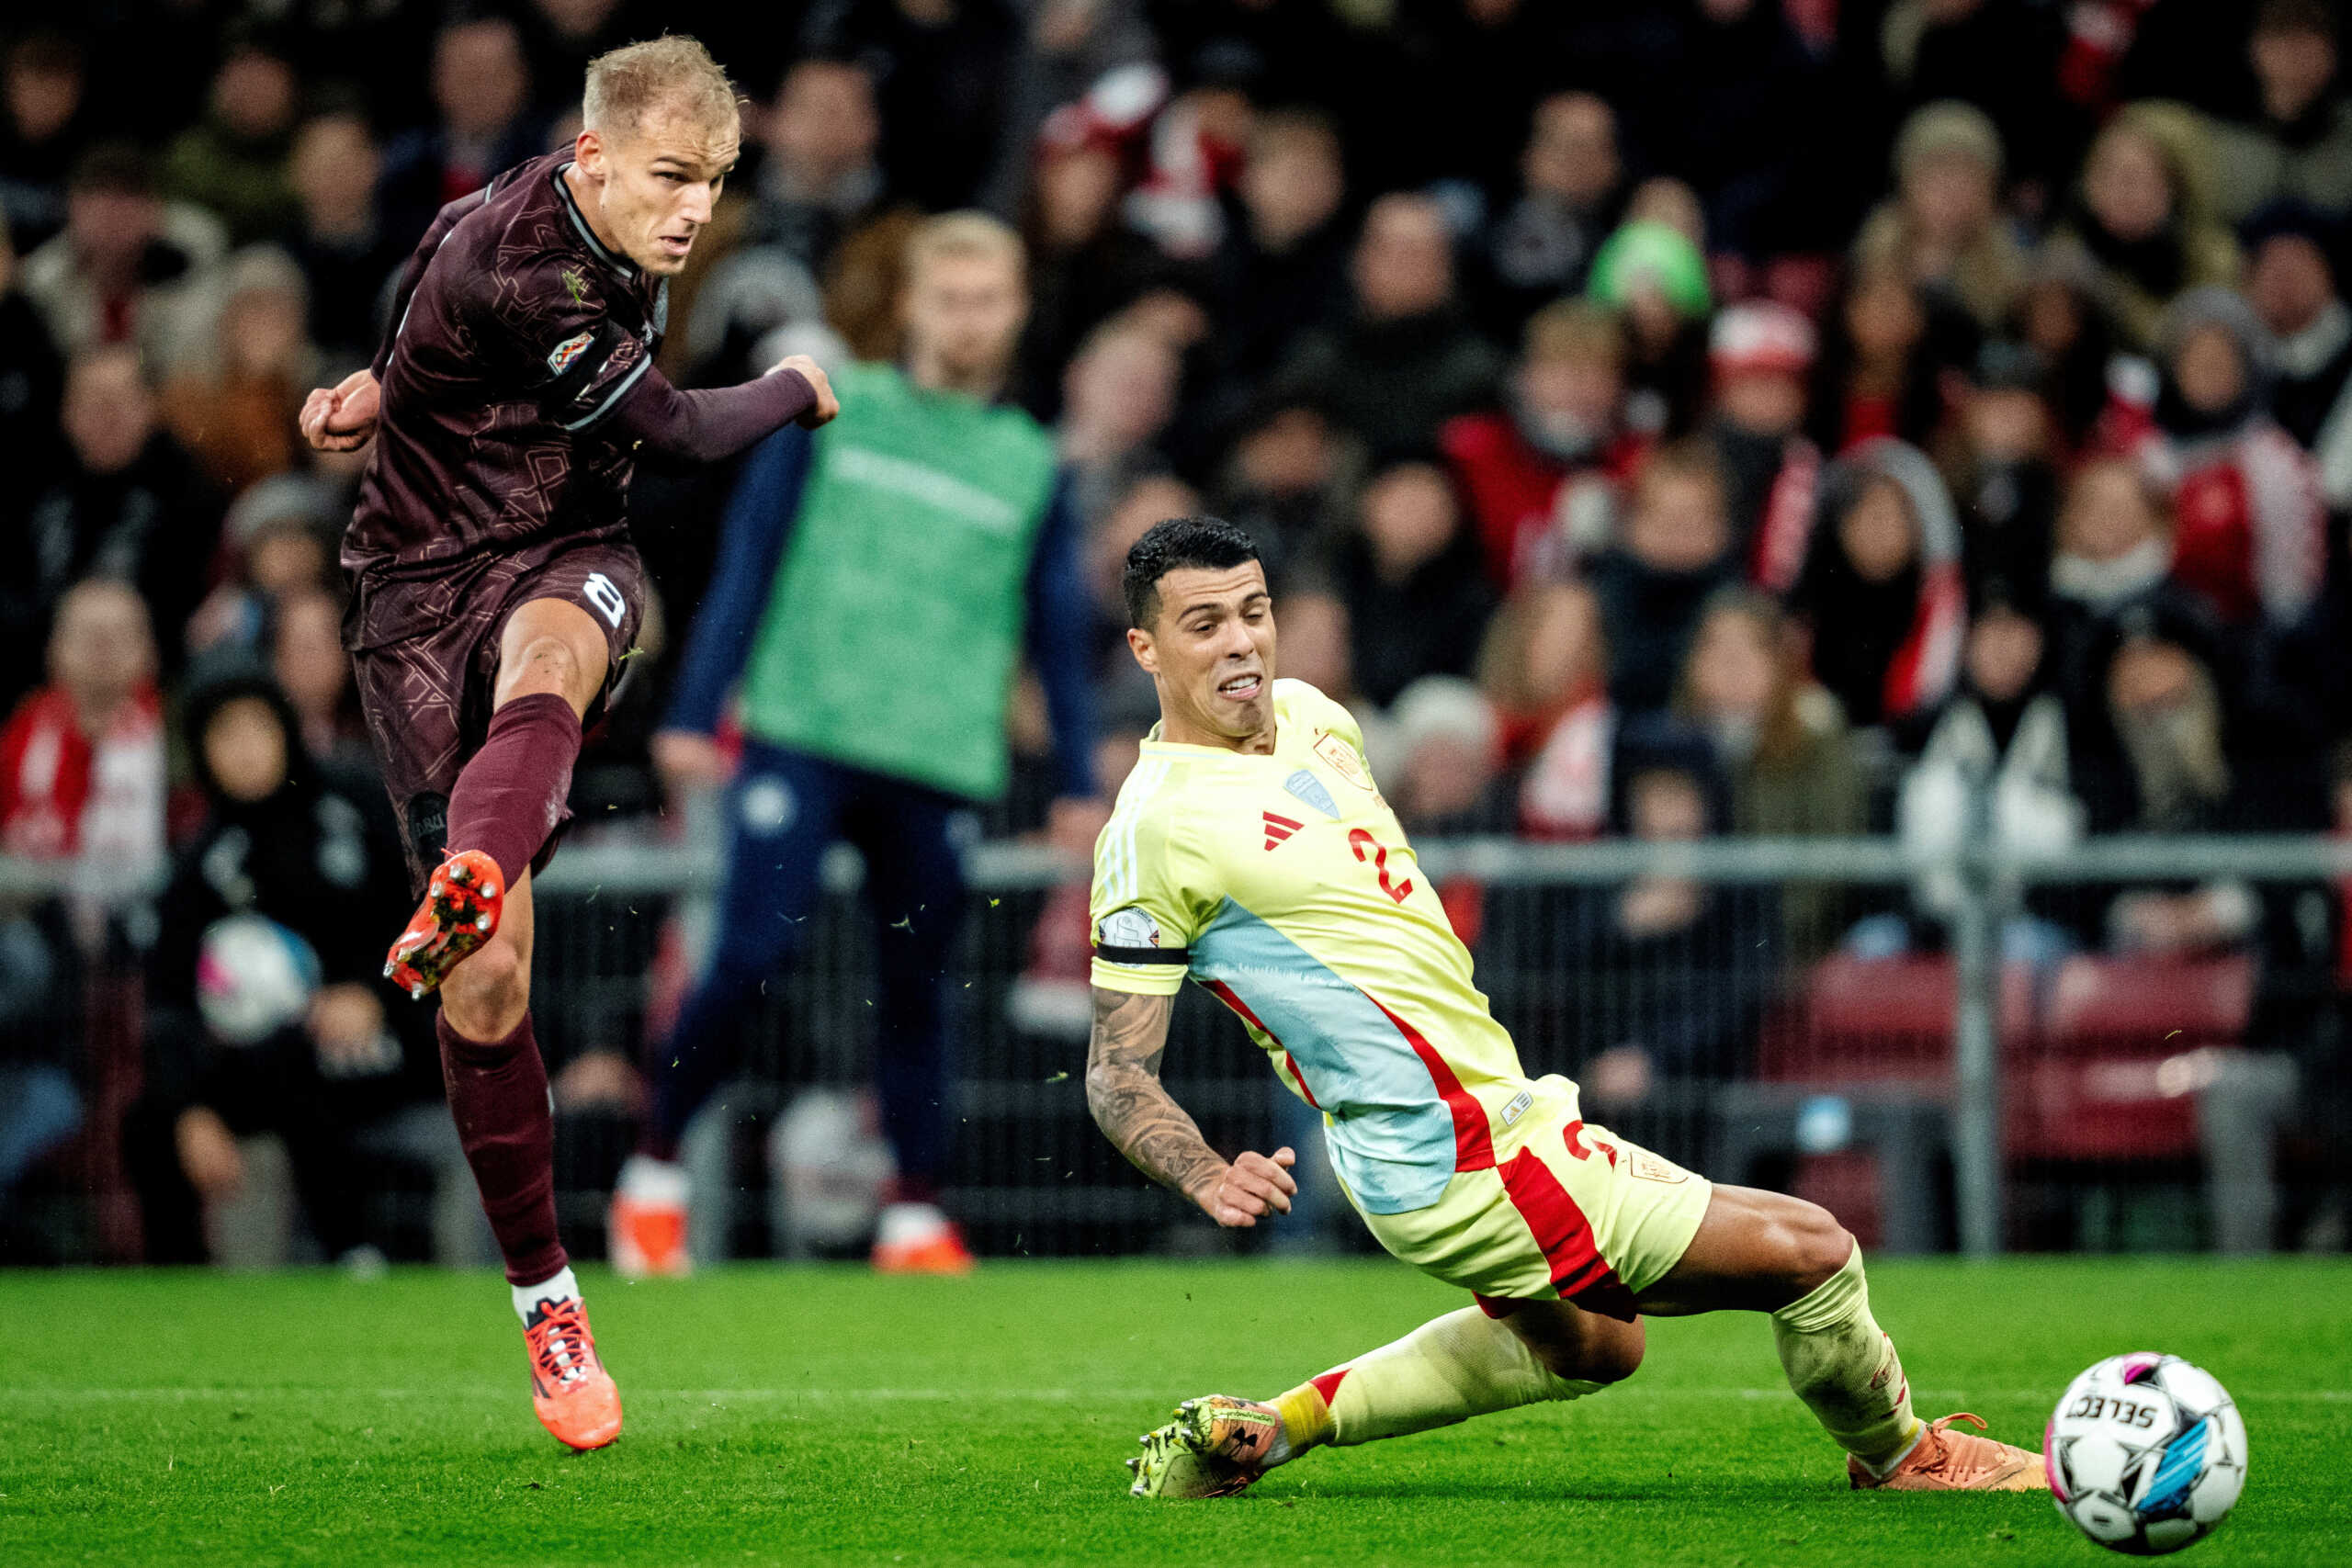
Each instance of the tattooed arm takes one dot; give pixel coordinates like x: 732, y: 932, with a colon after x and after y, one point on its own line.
x: 1137, y: 1114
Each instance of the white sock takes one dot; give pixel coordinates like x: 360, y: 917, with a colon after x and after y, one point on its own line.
x: 557, y: 1286
x: 904, y: 1222
x: 649, y: 1180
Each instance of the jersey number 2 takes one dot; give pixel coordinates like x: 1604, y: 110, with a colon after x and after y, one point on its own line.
x: 599, y: 591
x: 1360, y: 840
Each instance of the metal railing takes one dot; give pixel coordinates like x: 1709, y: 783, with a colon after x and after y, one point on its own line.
x: 1032, y: 1174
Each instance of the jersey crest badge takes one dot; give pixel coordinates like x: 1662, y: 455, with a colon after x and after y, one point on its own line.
x: 1309, y: 789
x: 575, y: 283
x: 569, y: 350
x: 1343, y: 759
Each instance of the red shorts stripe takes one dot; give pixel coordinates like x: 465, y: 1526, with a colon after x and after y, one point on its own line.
x: 1327, y: 1385
x: 1474, y: 1146
x: 1578, y: 1271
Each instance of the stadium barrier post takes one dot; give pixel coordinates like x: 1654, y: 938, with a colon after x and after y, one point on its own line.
x: 1976, y: 1151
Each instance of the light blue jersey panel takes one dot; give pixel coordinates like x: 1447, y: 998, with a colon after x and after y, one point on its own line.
x: 1391, y: 1136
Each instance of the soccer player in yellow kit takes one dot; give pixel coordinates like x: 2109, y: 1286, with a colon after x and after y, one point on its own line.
x: 1251, y: 851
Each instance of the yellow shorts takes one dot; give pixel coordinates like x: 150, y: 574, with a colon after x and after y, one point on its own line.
x: 1574, y: 1212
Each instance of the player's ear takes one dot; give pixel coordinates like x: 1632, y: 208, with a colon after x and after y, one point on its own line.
x: 1139, y: 644
x: 588, y: 152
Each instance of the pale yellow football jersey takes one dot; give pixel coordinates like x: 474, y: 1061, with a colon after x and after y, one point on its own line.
x: 1283, y: 884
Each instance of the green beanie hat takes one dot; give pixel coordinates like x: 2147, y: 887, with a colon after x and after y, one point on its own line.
x: 1659, y: 254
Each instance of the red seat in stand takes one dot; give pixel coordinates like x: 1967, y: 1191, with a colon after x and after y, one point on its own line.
x: 2114, y: 1073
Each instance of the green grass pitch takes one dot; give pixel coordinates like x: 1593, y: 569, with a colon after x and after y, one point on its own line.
x: 824, y: 1416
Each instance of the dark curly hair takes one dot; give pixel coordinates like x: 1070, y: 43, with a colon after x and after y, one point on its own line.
x: 1201, y: 544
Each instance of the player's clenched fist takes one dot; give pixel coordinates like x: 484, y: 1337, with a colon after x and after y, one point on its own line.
x: 341, y: 418
x: 828, y: 405
x: 1252, y: 1185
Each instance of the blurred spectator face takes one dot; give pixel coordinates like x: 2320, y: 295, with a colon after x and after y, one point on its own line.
x: 1448, y: 735
x: 1409, y: 517
x: 245, y: 746
x: 101, y: 650
x: 308, y: 659
x: 1678, y: 523
x: 2054, y: 318
x: 576, y: 18
x: 2004, y: 650
x: 1666, y: 803
x: 824, y: 124
x: 1761, y: 403
x: 1172, y: 316
x: 43, y: 89
x: 1076, y: 189
x: 112, y: 228
x: 1121, y: 390
x: 2005, y: 425
x: 1404, y: 263
x: 2208, y: 370
x: 1293, y: 182
x: 1877, y: 534
x: 110, y: 413
x: 1950, y: 197
x: 1734, y: 667
x: 1571, y: 395
x: 963, y: 312
x: 2294, y: 64
x: 2128, y: 184
x: 2290, y: 283
x: 253, y: 95
x: 335, y: 167
x: 1315, y: 643
x: 1290, y: 454
x: 2149, y: 676
x: 2109, y: 512
x: 1882, y: 316
x: 1663, y: 199
x: 286, y: 559
x: 263, y: 333
x: 479, y: 80
x: 1564, y: 652
x: 1572, y: 153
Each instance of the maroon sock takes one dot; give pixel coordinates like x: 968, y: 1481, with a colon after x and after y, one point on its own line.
x: 510, y: 795
x: 498, y: 1095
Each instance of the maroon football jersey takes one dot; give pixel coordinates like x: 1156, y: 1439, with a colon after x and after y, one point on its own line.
x: 515, y: 336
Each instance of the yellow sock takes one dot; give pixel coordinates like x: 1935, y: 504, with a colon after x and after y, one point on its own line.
x: 1450, y: 1369
x: 1845, y: 1368
x: 1307, y: 1417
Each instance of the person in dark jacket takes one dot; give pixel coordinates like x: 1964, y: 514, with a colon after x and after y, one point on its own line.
x: 268, y: 1010
x: 1673, y: 553
x: 1413, y: 581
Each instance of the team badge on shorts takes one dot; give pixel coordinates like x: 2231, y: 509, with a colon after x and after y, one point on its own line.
x: 569, y: 350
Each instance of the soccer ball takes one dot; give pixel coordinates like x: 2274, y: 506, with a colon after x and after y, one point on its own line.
x: 253, y: 979
x: 2146, y: 1453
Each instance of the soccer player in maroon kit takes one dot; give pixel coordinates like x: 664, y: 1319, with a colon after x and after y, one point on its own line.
x: 495, y: 593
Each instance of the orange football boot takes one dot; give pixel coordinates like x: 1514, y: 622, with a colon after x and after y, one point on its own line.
x: 570, y: 1391
x: 1945, y: 1461
x: 462, y: 899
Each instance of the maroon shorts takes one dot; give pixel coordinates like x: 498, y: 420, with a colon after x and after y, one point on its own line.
x: 425, y: 656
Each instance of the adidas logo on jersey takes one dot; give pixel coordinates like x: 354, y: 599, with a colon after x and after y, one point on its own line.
x: 1279, y: 829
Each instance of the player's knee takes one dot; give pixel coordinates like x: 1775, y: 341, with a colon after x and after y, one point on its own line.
x: 547, y: 664
x: 1815, y: 1245
x: 487, y: 995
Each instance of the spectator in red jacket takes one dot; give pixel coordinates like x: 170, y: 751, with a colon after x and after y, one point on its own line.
x: 2250, y: 526
x: 82, y: 760
x: 1544, y: 476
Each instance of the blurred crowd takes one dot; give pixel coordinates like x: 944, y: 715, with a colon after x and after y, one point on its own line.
x: 1660, y: 420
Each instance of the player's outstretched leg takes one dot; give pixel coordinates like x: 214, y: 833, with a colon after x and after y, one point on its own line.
x: 1766, y: 1252
x: 497, y: 1097
x: 1461, y: 1365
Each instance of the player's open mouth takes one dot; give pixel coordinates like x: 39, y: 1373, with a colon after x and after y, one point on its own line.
x: 1240, y: 688
x: 674, y: 245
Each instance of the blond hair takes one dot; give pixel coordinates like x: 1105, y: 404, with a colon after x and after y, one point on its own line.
x: 672, y: 72
x: 967, y: 233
